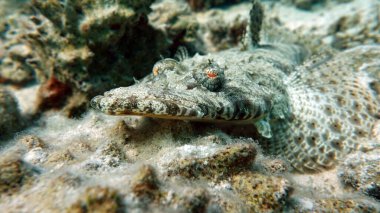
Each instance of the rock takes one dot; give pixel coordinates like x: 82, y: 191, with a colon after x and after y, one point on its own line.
x: 14, y: 174
x: 10, y: 117
x: 230, y: 160
x: 274, y: 166
x: 194, y: 200
x: 32, y: 141
x: 360, y: 171
x: 98, y: 199
x: 338, y: 26
x: 71, y: 39
x: 261, y: 193
x: 145, y: 184
x: 334, y: 205
x: 179, y: 23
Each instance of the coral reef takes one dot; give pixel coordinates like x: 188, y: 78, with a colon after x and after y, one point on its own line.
x: 145, y: 183
x: 230, y: 160
x: 360, y: 171
x: 55, y: 55
x: 261, y: 193
x: 89, y: 46
x: 19, y: 58
x: 14, y: 173
x: 10, y: 117
x: 98, y: 199
x: 179, y: 23
x: 334, y: 205
x: 338, y: 26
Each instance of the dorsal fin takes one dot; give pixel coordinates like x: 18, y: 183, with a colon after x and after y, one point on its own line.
x: 181, y: 54
x: 333, y: 110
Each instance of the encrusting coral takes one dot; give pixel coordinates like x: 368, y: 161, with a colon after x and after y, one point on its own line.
x: 88, y: 46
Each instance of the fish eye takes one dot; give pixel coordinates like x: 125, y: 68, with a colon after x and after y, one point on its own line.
x: 211, y: 76
x: 165, y: 64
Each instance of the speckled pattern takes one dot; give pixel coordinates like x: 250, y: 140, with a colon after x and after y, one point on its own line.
x: 316, y: 113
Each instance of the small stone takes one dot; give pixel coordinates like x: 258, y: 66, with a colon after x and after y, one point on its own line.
x: 14, y: 173
x: 194, y: 200
x: 145, y: 183
x: 274, y: 166
x: 98, y: 200
x: 32, y: 141
x: 61, y: 157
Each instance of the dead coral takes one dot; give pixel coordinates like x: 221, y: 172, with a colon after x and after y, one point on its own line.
x: 261, y: 193
x: 32, y: 141
x: 98, y: 199
x: 17, y: 58
x: 10, y: 117
x: 14, y: 173
x: 194, y: 200
x: 334, y: 205
x: 88, y: 45
x: 178, y: 22
x: 145, y: 184
x: 230, y: 160
x: 361, y: 171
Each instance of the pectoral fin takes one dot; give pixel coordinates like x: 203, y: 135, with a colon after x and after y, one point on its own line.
x: 263, y: 127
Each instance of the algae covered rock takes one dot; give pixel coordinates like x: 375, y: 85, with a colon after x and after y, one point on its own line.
x: 14, y: 173
x: 89, y: 46
x: 334, y: 205
x: 98, y: 199
x: 229, y: 160
x: 261, y: 193
x: 361, y: 172
x: 16, y: 58
x: 145, y: 183
x: 10, y: 117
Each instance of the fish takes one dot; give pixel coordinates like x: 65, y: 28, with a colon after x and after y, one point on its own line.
x: 311, y: 113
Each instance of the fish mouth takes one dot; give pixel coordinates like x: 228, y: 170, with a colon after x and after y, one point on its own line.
x: 158, y: 104
x: 197, y: 105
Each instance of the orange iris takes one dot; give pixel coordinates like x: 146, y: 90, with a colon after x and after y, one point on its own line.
x: 211, y: 75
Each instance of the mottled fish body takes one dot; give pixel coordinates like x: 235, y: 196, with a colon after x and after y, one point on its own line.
x: 311, y: 114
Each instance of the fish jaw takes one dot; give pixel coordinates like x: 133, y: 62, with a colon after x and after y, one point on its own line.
x: 195, y: 104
